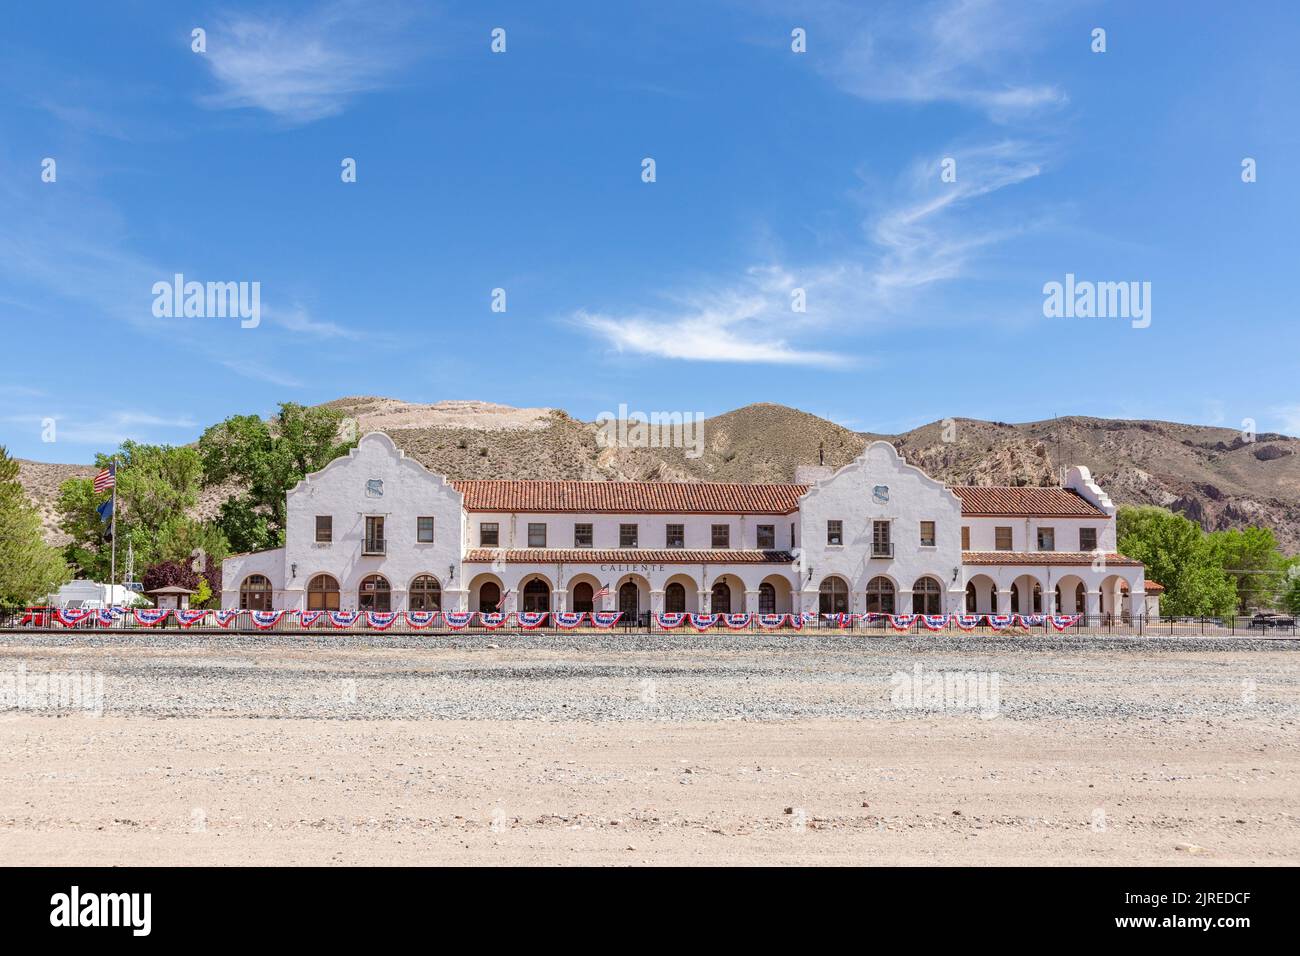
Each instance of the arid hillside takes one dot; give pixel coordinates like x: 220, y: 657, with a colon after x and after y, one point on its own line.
x: 1210, y: 474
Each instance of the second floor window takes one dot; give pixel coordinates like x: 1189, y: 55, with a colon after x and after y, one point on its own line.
x: 536, y: 534
x: 1087, y: 539
x: 767, y: 537
x: 582, y: 536
x: 881, y: 543
x: 1046, y: 539
x: 374, y: 534
x: 722, y: 535
x: 489, y: 534
x: 927, y: 534
x: 627, y: 536
x: 1002, y: 539
x: 424, y: 530
x: 324, y: 529
x: 675, y: 536
x: 835, y: 532
x: 965, y: 538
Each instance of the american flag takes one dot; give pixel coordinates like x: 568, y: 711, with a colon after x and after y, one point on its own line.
x: 106, y: 479
x: 502, y: 603
x: 604, y: 590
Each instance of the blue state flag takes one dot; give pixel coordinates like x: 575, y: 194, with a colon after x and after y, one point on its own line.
x: 106, y: 511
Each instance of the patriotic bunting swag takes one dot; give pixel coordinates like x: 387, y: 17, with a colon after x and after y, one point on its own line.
x: 702, y: 622
x: 771, y: 621
x: 1063, y: 622
x: 934, y: 622
x: 308, y: 618
x: 999, y: 622
x: 381, y: 620
x: 1030, y: 620
x: 902, y: 622
x: 344, y: 618
x: 531, y: 620
x: 568, y: 620
x: 670, y: 619
x: 797, y: 621
x: 189, y: 618
x: 840, y: 619
x: 493, y: 619
x: 105, y: 616
x: 421, y: 619
x: 265, y: 620
x: 148, y: 617
x: 737, y: 622
x: 967, y: 622
x: 225, y: 618
x: 72, y: 616
x: 457, y: 620
x: 605, y: 619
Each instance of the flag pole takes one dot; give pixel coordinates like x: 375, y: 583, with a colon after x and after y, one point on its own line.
x: 112, y: 535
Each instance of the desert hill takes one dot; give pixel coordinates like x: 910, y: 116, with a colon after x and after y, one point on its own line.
x: 1209, y: 474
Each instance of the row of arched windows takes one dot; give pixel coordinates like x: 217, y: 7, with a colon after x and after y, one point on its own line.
x: 927, y: 596
x: 1034, y: 603
x: 373, y: 594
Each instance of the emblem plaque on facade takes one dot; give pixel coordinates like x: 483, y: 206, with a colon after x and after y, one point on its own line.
x: 375, y: 488
x: 880, y: 494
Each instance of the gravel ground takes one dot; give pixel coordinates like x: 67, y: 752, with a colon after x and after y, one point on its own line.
x: 245, y: 749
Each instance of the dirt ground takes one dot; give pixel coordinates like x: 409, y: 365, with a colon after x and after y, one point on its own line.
x: 153, y: 785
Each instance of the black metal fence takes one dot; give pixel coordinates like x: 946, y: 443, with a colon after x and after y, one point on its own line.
x: 38, y: 619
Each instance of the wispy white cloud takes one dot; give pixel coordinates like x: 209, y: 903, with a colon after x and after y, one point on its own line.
x: 311, y: 66
x: 957, y: 51
x: 250, y: 368
x: 923, y: 239
x: 297, y: 319
x: 106, y: 429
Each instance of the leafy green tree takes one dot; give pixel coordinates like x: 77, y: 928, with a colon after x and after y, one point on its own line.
x: 156, y: 486
x: 267, y: 459
x: 1179, y: 555
x: 29, y: 568
x: 1254, y: 562
x: 1290, y: 590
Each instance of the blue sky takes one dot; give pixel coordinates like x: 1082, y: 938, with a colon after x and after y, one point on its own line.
x: 775, y: 171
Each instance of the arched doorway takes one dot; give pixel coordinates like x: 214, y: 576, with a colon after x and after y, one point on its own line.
x: 880, y: 596
x: 628, y: 600
x: 675, y: 598
x: 833, y: 596
x: 489, y: 596
x: 767, y: 598
x: 375, y: 594
x: 323, y: 593
x: 927, y: 596
x: 720, y: 598
x: 426, y: 594
x: 255, y: 593
x: 584, y: 597
x: 537, y: 595
x: 972, y: 599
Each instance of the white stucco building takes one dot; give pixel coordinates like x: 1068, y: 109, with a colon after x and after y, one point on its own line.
x: 378, y: 530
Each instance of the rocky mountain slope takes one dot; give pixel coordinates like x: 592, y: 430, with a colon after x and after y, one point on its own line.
x: 1209, y: 474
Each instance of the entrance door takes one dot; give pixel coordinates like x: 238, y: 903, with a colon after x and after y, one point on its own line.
x: 721, y: 602
x: 627, y: 600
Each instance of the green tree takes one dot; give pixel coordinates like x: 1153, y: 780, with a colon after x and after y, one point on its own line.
x: 266, y: 459
x: 1254, y: 562
x: 29, y: 568
x: 156, y: 486
x: 1179, y: 555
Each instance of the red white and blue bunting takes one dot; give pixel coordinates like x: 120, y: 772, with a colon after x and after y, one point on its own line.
x: 225, y: 618
x: 670, y: 620
x: 457, y: 620
x: 1063, y: 622
x: 771, y: 621
x: 999, y: 622
x: 308, y: 618
x: 494, y: 619
x: 421, y: 619
x: 72, y: 616
x: 702, y: 622
x: 568, y: 620
x: 265, y: 620
x: 1030, y: 620
x: 934, y: 622
x: 840, y: 618
x: 967, y: 622
x: 382, y: 620
x: 188, y: 618
x: 148, y: 617
x: 344, y: 618
x: 531, y: 620
x: 737, y: 622
x: 605, y: 619
x: 902, y: 622
x: 798, y: 621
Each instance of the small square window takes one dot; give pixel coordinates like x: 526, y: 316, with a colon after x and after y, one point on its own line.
x: 582, y: 536
x: 1087, y: 539
x: 767, y: 537
x: 675, y: 536
x: 927, y: 534
x: 424, y: 530
x: 627, y: 536
x: 835, y: 532
x: 722, y: 536
x: 1002, y: 539
x: 536, y: 534
x: 489, y: 534
x: 1046, y: 539
x: 324, y: 529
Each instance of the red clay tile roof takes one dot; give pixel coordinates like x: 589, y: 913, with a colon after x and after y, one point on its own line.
x: 625, y: 497
x: 1153, y: 587
x: 627, y: 556
x: 707, y: 497
x: 979, y: 501
x: 1040, y: 558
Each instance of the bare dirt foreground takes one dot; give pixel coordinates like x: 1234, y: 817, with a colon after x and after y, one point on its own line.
x: 228, y: 750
